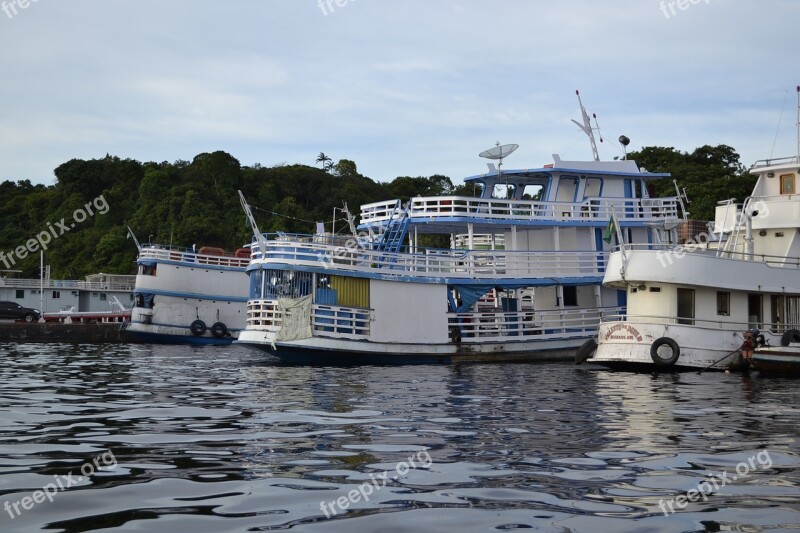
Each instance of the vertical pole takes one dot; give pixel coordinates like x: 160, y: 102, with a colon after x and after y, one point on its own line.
x: 41, y: 282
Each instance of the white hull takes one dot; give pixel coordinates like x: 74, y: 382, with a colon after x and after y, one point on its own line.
x: 629, y: 343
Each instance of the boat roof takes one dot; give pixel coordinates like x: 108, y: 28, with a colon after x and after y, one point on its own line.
x: 625, y: 168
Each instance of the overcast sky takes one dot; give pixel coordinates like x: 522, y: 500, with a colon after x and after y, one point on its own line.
x: 402, y: 87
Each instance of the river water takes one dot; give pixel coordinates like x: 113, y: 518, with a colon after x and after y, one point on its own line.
x: 185, y: 439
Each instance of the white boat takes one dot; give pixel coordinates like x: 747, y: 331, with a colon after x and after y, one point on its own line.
x: 100, y: 297
x: 689, y: 307
x: 385, y: 298
x: 187, y: 296
x: 778, y: 360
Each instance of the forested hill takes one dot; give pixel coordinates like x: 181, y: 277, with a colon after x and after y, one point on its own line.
x: 196, y: 202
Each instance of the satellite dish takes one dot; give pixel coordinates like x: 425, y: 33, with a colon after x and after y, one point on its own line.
x: 499, y: 151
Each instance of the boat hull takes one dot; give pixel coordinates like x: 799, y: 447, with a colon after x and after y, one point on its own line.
x: 627, y: 345
x: 319, y: 350
x: 778, y: 361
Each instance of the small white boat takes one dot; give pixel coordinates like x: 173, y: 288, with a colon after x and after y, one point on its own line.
x: 187, y: 296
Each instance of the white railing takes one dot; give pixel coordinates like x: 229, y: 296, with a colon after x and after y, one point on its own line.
x: 519, y: 325
x: 640, y: 209
x: 778, y: 261
x: 724, y: 325
x: 761, y: 163
x: 122, y: 286
x: 326, y: 320
x: 263, y: 315
x: 182, y: 256
x: 472, y: 264
x: 341, y: 322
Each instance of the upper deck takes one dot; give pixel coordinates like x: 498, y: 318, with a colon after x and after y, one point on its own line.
x: 579, y: 193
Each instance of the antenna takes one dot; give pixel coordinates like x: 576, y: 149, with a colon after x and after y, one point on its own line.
x: 798, y: 123
x: 586, y: 127
x: 498, y: 153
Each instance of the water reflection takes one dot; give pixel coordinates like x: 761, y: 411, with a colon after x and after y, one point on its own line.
x: 221, y: 439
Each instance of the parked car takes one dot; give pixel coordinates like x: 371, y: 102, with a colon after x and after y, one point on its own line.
x: 15, y: 311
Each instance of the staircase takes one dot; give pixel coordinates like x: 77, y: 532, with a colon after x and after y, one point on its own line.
x: 396, y: 231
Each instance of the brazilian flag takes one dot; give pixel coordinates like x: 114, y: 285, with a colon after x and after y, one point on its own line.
x: 610, y: 230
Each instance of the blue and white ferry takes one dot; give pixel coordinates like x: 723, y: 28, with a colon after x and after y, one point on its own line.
x: 189, y: 296
x: 520, y: 281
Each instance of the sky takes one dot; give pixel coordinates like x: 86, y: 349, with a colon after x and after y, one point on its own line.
x: 401, y: 87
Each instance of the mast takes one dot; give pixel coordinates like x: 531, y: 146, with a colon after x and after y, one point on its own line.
x: 586, y: 127
x: 798, y: 123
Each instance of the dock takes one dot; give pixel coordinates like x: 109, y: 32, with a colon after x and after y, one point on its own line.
x: 77, y: 333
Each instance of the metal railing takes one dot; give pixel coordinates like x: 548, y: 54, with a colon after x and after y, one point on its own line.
x: 521, y: 325
x: 589, y: 209
x: 472, y: 264
x: 188, y: 256
x: 326, y: 320
x: 122, y: 286
x: 724, y: 325
x: 761, y: 163
x: 777, y: 261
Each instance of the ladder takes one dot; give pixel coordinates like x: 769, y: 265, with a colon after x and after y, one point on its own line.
x: 396, y: 231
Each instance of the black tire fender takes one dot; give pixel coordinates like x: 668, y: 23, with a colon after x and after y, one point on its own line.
x: 664, y: 361
x: 219, y: 330
x: 585, y: 351
x: 198, y: 328
x: 29, y: 318
x: 790, y: 337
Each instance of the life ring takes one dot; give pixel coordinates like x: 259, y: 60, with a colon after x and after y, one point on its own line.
x: 198, y: 327
x: 455, y: 334
x: 665, y: 361
x: 585, y: 351
x: 791, y: 336
x: 219, y: 330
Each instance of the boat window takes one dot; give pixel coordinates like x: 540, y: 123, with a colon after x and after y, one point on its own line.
x: 655, y: 289
x: 754, y: 310
x: 570, y: 296
x: 594, y: 187
x: 286, y: 284
x: 533, y: 192
x: 20, y: 294
x: 256, y: 277
x: 787, y: 184
x: 686, y: 306
x: 503, y: 191
x: 56, y: 295
x: 723, y: 303
x: 567, y: 187
x: 147, y: 270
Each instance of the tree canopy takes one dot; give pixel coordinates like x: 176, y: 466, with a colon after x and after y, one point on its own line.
x: 195, y: 202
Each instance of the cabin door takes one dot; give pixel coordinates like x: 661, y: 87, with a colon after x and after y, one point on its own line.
x: 754, y: 311
x: 686, y: 306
